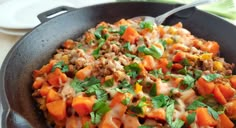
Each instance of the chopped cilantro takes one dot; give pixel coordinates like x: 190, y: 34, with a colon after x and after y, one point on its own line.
x: 146, y: 24
x: 125, y: 101
x: 163, y: 42
x: 177, y: 123
x: 132, y: 70
x: 86, y: 125
x: 138, y: 109
x: 130, y: 55
x: 64, y: 67
x: 157, y: 72
x: 197, y: 73
x: 122, y: 29
x: 153, y: 51
x: 124, y: 87
x: 98, y: 32
x: 75, y: 84
x: 169, y: 65
x: 169, y: 113
x: 185, y: 62
x: 189, y: 81
x: 127, y: 46
x: 183, y: 71
x: 211, y: 77
x: 100, y: 108
x: 169, y: 117
x: 212, y: 112
x: 116, y: 58
x: 109, y: 83
x: 191, y: 118
x: 97, y: 50
x: 161, y: 101
x: 195, y: 105
x: 153, y: 90
x: 92, y: 89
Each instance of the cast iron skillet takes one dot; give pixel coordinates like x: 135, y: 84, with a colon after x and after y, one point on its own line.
x: 37, y: 47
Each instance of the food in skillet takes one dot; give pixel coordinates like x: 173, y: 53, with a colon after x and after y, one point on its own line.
x: 134, y: 74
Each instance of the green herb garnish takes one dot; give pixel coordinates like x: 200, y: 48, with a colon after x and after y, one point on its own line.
x: 122, y: 29
x: 153, y: 51
x: 98, y: 32
x: 146, y: 24
x: 100, y: 108
x: 211, y: 77
x: 132, y: 70
x: 127, y: 46
x: 64, y: 67
x: 191, y: 117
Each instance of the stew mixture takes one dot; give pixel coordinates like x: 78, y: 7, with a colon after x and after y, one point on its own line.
x: 135, y: 74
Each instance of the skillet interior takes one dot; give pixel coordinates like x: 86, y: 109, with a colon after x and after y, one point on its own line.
x: 37, y: 47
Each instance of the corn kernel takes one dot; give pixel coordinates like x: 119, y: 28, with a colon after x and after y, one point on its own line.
x: 205, y: 56
x: 172, y: 30
x: 138, y: 88
x: 169, y: 41
x: 218, y: 66
x: 65, y: 58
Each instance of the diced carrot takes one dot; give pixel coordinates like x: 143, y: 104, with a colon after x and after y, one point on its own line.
x: 224, y: 122
x: 57, y: 109
x: 84, y: 73
x: 45, y: 69
x: 231, y: 109
x: 130, y: 35
x: 103, y: 23
x: 83, y: 105
x: 180, y: 47
x: 73, y: 122
x: 145, y: 31
x: 52, y: 96
x: 162, y: 63
x: 157, y: 114
x: 211, y: 46
x: 161, y: 31
x: 143, y: 70
x: 149, y: 62
x: 117, y: 99
x: 38, y: 83
x: 122, y: 22
x: 178, y: 25
x: 177, y: 66
x: 109, y: 121
x: 175, y: 82
x: 69, y: 44
x: 54, y: 78
x: 219, y: 96
x: 197, y: 43
x: 227, y: 91
x: 89, y: 37
x: 178, y: 57
x: 204, y: 87
x: 204, y: 118
x: 233, y: 81
x: 44, y: 89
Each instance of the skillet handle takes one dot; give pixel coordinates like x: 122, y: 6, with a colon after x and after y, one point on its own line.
x: 45, y: 16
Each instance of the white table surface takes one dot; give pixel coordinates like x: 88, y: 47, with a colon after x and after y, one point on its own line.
x: 7, y: 41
